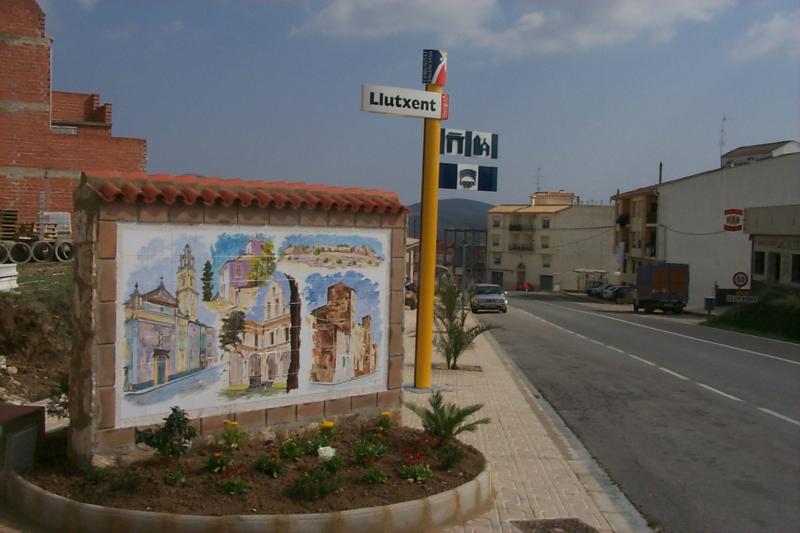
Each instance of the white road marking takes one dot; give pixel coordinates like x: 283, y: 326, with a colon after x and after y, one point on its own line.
x: 666, y: 370
x: 778, y: 415
x: 670, y: 372
x: 717, y: 391
x: 680, y: 335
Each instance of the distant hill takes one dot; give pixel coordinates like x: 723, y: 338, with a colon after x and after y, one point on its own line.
x: 453, y: 213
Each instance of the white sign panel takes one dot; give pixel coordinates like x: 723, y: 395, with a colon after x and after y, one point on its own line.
x: 467, y: 177
x: 466, y: 143
x: 399, y: 101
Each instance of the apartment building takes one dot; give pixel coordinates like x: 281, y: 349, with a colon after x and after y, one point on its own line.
x: 549, y: 242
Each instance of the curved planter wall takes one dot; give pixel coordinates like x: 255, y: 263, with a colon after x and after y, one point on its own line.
x: 451, y: 507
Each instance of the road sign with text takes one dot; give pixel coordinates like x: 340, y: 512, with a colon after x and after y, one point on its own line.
x: 403, y: 102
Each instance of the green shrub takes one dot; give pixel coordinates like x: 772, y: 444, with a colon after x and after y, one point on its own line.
x: 217, y: 462
x: 444, y: 421
x: 454, y: 336
x: 95, y: 475
x: 775, y: 314
x: 174, y: 476
x: 232, y: 438
x: 173, y: 438
x: 315, y: 484
x: 233, y: 486
x: 368, y: 449
x: 291, y: 449
x: 449, y: 456
x: 374, y: 476
x: 125, y: 480
x: 271, y: 465
x: 417, y: 472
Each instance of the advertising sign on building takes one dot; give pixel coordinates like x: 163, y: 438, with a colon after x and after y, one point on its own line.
x: 468, y: 143
x: 734, y: 219
x: 403, y: 102
x: 434, y: 67
x: 467, y: 177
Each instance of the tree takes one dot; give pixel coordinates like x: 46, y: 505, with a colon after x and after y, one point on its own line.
x: 232, y: 328
x: 454, y: 336
x: 207, y: 279
x: 263, y: 265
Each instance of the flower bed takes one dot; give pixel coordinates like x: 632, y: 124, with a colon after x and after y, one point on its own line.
x: 332, y: 467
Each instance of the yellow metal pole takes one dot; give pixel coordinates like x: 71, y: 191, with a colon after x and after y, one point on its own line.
x: 427, y: 257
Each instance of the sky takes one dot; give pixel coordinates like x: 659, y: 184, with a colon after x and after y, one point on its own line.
x: 587, y: 95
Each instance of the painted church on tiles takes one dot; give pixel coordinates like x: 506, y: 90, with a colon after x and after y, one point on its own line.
x: 165, y: 340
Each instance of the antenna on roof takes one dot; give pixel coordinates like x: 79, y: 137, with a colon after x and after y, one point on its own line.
x: 722, y: 136
x: 538, y: 179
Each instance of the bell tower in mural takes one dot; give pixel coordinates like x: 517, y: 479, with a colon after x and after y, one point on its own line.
x: 187, y: 294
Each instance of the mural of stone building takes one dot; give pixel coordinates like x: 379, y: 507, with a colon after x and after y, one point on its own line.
x: 342, y: 346
x: 233, y: 274
x: 262, y: 358
x: 164, y: 337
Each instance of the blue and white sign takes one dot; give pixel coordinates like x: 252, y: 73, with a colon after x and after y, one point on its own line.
x: 467, y: 177
x: 467, y: 143
x: 434, y: 67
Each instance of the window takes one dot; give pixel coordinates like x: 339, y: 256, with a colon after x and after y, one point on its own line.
x: 795, y: 268
x: 272, y: 338
x: 495, y: 221
x: 495, y: 239
x: 545, y: 242
x: 758, y: 263
x: 545, y: 223
x: 774, y: 266
x: 285, y: 334
x: 546, y: 261
x: 497, y: 258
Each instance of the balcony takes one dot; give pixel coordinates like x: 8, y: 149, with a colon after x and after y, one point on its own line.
x: 518, y: 247
x: 520, y: 227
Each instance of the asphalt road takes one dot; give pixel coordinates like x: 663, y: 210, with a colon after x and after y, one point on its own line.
x: 700, y: 427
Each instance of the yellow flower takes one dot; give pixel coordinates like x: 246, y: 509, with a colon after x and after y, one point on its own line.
x: 231, y: 423
x: 328, y: 424
x: 387, y: 414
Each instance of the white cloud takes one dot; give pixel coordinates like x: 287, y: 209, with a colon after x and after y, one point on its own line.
x: 780, y: 34
x: 88, y: 5
x: 543, y: 27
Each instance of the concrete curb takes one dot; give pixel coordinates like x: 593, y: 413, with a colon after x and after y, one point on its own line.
x: 610, y: 500
x: 55, y: 512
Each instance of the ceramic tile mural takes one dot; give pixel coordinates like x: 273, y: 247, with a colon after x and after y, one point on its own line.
x: 225, y: 318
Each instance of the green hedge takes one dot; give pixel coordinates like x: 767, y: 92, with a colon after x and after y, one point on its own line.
x: 774, y: 314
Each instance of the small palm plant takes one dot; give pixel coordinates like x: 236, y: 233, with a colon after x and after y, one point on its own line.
x: 444, y: 421
x: 454, y: 336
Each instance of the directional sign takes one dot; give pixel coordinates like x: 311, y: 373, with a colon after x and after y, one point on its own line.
x: 403, y: 102
x: 434, y: 67
x: 468, y: 143
x: 741, y: 299
x: 467, y: 177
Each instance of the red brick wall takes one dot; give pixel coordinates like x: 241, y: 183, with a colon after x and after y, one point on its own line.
x: 29, y: 150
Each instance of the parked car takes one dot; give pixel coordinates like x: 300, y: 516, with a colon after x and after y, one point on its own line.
x: 597, y: 291
x: 526, y: 286
x: 608, y: 292
x: 620, y: 294
x: 486, y: 296
x: 593, y: 284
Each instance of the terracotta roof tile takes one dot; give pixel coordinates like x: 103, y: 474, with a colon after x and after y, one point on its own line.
x: 131, y: 187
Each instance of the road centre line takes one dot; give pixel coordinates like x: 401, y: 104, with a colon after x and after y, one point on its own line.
x: 717, y: 391
x: 666, y: 370
x: 778, y: 415
x: 670, y: 372
x: 679, y: 334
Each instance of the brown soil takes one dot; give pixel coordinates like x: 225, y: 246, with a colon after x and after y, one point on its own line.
x: 36, y: 331
x: 199, y: 494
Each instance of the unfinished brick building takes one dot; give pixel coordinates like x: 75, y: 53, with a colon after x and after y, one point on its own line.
x: 47, y: 137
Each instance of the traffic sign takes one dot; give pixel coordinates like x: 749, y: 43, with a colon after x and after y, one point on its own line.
x: 468, y: 143
x: 740, y: 279
x: 741, y: 299
x: 403, y: 102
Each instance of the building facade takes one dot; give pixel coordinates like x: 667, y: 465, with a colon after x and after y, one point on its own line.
x: 775, y: 237
x: 47, y: 137
x: 549, y: 242
x: 684, y: 220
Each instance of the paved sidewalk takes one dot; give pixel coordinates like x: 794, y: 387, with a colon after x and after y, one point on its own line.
x: 536, y: 471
